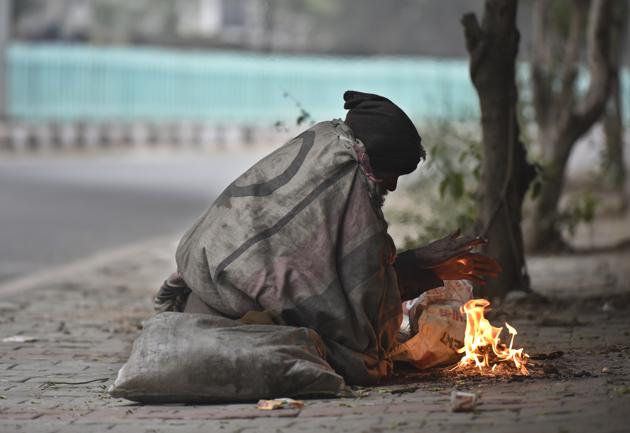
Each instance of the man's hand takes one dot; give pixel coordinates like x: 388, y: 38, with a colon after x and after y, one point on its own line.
x: 451, y: 258
x: 471, y: 266
x: 451, y: 247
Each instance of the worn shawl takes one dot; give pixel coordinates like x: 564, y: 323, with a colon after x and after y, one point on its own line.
x: 298, y: 236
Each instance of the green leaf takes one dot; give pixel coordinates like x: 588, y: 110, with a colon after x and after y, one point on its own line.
x: 462, y: 156
x: 536, y: 188
x: 590, y: 204
x: 477, y: 172
x: 442, y: 187
x: 457, y: 185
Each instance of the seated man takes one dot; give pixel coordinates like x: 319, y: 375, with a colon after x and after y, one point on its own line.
x: 300, y: 239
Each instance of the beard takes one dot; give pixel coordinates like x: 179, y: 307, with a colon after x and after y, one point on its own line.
x: 378, y: 194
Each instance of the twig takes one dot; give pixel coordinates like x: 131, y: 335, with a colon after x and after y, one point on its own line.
x: 52, y: 382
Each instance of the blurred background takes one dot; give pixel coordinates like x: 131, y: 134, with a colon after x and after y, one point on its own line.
x: 122, y: 120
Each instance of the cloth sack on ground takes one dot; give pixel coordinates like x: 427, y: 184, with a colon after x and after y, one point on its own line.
x: 437, y: 326
x: 182, y: 357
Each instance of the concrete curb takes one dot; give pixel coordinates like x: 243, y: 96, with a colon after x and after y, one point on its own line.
x: 60, y: 136
x: 81, y: 266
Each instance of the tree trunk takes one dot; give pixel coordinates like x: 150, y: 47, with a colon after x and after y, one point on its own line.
x: 614, y: 165
x: 567, y: 118
x: 546, y: 232
x: 505, y: 172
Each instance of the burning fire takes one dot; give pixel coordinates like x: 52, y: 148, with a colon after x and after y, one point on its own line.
x: 482, y: 346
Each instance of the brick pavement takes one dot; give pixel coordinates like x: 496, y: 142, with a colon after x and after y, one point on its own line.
x: 85, y: 317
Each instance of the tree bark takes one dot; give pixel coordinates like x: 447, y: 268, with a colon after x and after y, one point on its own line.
x: 569, y: 117
x: 506, y: 174
x: 614, y: 165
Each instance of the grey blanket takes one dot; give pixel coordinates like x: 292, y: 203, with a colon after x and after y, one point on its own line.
x: 298, y: 236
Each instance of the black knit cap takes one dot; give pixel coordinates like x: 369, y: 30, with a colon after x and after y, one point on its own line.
x: 391, y: 140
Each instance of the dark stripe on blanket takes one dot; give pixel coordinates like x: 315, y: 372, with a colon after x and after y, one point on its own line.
x: 266, y: 188
x: 285, y: 219
x: 325, y: 311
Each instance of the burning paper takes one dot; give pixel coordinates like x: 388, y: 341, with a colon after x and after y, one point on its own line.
x: 436, y: 325
x: 482, y: 346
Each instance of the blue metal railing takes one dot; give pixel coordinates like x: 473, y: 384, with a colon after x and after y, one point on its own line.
x: 65, y: 82
x: 81, y: 82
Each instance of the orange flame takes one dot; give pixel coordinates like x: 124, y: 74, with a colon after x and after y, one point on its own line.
x: 482, y: 346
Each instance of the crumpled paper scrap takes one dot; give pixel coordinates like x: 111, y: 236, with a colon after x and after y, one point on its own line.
x: 280, y: 403
x: 462, y: 401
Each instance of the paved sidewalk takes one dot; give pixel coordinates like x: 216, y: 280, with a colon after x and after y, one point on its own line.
x: 85, y: 316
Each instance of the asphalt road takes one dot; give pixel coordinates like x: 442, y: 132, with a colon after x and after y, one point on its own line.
x: 56, y: 210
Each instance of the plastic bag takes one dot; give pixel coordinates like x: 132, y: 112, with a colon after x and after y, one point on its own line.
x: 437, y: 326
